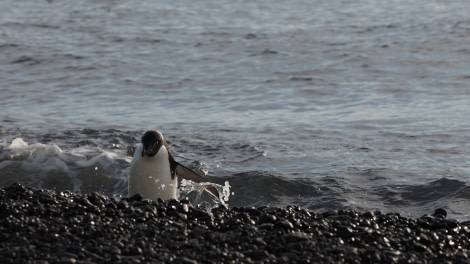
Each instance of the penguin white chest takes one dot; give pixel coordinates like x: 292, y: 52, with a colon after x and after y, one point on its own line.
x: 151, y: 176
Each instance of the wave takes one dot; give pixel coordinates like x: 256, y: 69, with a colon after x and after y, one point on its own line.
x: 88, y: 161
x: 261, y: 188
x: 48, y: 166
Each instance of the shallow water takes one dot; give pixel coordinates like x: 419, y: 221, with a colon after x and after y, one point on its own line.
x: 328, y: 105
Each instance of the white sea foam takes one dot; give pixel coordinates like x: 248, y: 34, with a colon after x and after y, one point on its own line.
x: 79, y: 169
x: 105, y: 160
x: 38, y: 156
x: 18, y: 143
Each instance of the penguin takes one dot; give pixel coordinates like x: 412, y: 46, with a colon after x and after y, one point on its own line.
x: 154, y: 171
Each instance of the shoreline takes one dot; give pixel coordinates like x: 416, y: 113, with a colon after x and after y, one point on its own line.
x: 45, y: 226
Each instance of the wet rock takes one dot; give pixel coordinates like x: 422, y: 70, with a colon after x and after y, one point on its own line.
x: 113, y: 250
x: 185, y: 260
x: 135, y: 198
x: 135, y: 250
x: 285, y: 224
x: 296, y: 236
x: 200, y: 214
x: 441, y: 213
x: 267, y: 226
x: 253, y: 211
x: 267, y: 218
x: 183, y: 208
x: 345, y: 231
x: 66, y: 260
x: 369, y: 215
x: 257, y: 254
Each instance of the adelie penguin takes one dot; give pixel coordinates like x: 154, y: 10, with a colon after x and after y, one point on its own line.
x: 154, y: 171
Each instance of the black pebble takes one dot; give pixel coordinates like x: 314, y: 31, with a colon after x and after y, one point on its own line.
x: 43, y: 226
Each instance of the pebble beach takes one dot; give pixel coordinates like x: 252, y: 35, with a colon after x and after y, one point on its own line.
x: 45, y: 226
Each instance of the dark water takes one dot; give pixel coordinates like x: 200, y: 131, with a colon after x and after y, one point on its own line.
x: 324, y: 104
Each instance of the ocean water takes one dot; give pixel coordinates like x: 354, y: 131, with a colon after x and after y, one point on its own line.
x: 328, y: 105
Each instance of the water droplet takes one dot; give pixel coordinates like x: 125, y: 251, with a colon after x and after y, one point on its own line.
x: 226, y: 191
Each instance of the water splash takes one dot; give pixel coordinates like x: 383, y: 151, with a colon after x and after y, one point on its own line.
x: 197, y: 194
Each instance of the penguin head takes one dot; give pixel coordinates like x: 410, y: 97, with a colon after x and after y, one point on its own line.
x: 152, y: 141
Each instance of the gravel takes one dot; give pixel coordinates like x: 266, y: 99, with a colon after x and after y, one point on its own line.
x: 44, y: 226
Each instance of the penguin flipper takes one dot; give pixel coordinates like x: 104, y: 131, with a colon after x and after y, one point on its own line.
x: 188, y: 174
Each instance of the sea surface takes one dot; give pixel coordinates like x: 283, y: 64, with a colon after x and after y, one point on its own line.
x: 328, y: 105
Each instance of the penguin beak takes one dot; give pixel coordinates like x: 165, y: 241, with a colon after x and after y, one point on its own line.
x: 149, y: 152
